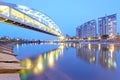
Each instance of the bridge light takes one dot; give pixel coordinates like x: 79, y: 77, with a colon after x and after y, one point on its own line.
x: 22, y: 7
x: 89, y: 38
x: 99, y: 37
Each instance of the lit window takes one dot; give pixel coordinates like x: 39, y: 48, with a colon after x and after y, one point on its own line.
x: 4, y: 10
x: 17, y: 15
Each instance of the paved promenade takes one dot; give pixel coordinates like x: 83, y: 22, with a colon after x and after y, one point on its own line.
x: 9, y: 65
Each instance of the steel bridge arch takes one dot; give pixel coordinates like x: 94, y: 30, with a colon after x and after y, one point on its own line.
x: 28, y: 18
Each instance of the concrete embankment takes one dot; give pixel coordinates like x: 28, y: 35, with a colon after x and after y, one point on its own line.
x: 9, y: 65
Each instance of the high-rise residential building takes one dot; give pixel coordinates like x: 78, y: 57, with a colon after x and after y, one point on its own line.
x: 86, y: 30
x: 79, y: 31
x: 107, y: 25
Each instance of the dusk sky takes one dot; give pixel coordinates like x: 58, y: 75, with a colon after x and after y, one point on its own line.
x: 67, y: 14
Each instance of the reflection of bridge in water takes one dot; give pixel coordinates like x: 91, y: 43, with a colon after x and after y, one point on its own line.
x: 104, y: 55
x: 42, y: 62
x: 28, y: 18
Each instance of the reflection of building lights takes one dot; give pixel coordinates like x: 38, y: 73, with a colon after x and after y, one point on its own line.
x: 69, y: 45
x: 17, y: 46
x: 99, y: 46
x: 92, y: 59
x: 74, y: 45
x: 115, y: 65
x: 111, y: 63
x: 80, y: 45
x: 111, y: 48
x: 89, y: 46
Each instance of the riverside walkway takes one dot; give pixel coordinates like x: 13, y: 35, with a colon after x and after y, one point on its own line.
x: 9, y: 65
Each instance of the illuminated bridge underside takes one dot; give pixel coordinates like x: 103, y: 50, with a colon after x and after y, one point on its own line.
x: 28, y: 18
x: 23, y: 25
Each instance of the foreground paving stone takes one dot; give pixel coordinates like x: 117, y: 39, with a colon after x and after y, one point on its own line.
x: 10, y: 76
x: 9, y: 65
x: 6, y: 57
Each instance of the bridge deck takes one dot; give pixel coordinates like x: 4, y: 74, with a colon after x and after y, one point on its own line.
x: 28, y: 18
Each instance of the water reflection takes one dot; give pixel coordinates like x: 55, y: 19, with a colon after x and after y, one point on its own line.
x: 104, y: 55
x: 37, y: 65
x: 107, y: 56
x: 86, y: 53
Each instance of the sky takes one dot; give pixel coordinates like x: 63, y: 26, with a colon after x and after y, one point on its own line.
x: 68, y: 14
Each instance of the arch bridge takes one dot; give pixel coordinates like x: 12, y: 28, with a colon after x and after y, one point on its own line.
x: 25, y: 17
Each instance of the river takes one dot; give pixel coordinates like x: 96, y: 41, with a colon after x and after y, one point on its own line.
x: 69, y: 61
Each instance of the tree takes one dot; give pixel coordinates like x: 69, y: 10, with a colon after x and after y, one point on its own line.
x: 105, y: 36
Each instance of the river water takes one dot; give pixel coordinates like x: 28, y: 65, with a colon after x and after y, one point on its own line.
x: 69, y: 61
